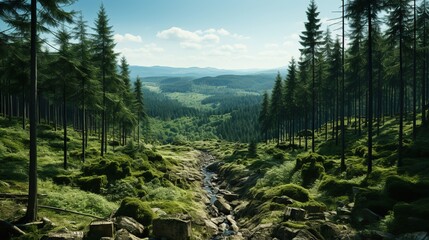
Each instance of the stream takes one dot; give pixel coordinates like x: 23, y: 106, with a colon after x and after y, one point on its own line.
x: 219, y: 209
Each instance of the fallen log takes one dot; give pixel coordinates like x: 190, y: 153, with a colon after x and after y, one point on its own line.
x: 8, y: 228
x: 70, y: 211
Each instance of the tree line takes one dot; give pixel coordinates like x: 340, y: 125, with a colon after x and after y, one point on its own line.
x: 74, y: 81
x: 383, y: 72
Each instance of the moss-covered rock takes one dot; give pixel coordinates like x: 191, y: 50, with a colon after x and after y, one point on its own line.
x: 92, y: 183
x: 114, y: 169
x: 411, y: 217
x: 137, y: 209
x: 405, y: 190
x: 336, y: 188
x: 63, y: 179
x: 311, y: 171
x: 291, y: 190
x: 309, y: 158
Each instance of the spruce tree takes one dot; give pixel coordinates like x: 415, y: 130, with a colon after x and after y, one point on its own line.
x: 310, y: 40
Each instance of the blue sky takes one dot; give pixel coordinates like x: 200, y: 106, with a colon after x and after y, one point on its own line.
x: 228, y: 34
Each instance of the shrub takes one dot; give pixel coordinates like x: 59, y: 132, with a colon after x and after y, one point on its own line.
x: 92, y: 183
x: 137, y: 209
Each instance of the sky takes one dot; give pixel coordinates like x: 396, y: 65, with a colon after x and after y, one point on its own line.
x: 226, y: 34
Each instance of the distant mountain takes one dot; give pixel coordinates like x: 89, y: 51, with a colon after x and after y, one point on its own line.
x: 194, y: 72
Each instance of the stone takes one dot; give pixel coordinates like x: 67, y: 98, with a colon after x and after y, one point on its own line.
x: 4, y: 184
x: 304, y: 235
x: 172, y: 228
x: 159, y: 212
x: 229, y: 196
x: 223, y: 227
x: 294, y: 214
x: 282, y: 200
x: 129, y: 224
x: 64, y: 236
x: 99, y: 229
x: 343, y: 211
x: 285, y: 233
x: 262, y: 232
x: 123, y: 234
x: 211, y: 227
x: 330, y: 231
x: 366, y: 216
x: 222, y: 205
x: 414, y: 236
x: 316, y: 216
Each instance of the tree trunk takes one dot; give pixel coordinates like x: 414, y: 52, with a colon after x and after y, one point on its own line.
x: 31, y: 213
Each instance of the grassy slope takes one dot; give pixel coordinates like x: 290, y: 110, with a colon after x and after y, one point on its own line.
x: 163, y: 176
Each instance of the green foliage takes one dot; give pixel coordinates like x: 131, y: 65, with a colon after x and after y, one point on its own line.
x: 137, y: 209
x: 92, y: 183
x: 63, y: 179
x: 311, y: 206
x: 75, y: 199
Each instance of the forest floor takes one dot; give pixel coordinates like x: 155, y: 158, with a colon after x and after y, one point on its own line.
x: 273, y: 190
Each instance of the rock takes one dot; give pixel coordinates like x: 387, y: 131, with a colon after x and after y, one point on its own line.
x: 304, y: 234
x: 159, y: 212
x: 172, y: 228
x: 4, y: 184
x: 123, y: 234
x: 285, y: 233
x: 47, y: 223
x: 64, y: 236
x: 414, y: 236
x: 233, y: 223
x: 282, y: 200
x: 223, y: 227
x: 377, y: 235
x: 330, y: 231
x: 316, y: 216
x: 229, y: 196
x: 129, y: 224
x: 262, y: 232
x: 366, y: 216
x: 294, y: 214
x: 343, y: 211
x: 211, y: 227
x: 218, y: 220
x: 222, y: 205
x: 99, y: 229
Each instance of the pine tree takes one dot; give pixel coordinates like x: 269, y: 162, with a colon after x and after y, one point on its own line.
x: 276, y: 106
x: 105, y: 59
x: 264, y: 117
x: 310, y: 40
x: 139, y: 105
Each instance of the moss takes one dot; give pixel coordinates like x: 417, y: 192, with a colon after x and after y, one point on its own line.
x: 92, y: 183
x: 153, y: 156
x: 291, y: 190
x: 336, y: 188
x: 402, y: 189
x: 137, y: 209
x: 116, y: 169
x: 360, y: 151
x: 309, y: 158
x: 311, y: 171
x: 312, y: 206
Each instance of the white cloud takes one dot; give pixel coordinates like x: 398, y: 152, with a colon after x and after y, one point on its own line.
x: 210, y: 35
x: 191, y: 45
x: 127, y: 38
